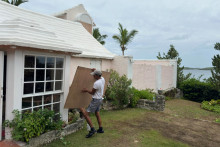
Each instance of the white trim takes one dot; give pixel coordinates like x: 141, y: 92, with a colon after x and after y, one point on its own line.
x: 1, y: 89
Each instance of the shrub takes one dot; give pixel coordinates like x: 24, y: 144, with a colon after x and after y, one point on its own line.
x: 73, y: 116
x: 211, y: 105
x: 140, y: 94
x: 29, y: 125
x: 198, y: 91
x: 118, y: 90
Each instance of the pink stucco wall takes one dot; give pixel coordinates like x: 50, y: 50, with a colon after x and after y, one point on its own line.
x: 86, y: 62
x: 123, y: 65
x: 154, y: 74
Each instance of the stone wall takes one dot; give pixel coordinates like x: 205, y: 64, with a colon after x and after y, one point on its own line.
x: 158, y: 104
x: 56, y: 134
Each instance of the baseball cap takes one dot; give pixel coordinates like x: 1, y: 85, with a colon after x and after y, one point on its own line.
x: 96, y: 72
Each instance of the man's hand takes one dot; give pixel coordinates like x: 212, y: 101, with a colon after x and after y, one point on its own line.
x: 84, y: 90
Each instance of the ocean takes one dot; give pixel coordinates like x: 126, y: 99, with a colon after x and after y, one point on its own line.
x: 197, y: 73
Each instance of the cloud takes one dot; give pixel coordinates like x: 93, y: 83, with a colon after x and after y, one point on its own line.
x: 193, y: 27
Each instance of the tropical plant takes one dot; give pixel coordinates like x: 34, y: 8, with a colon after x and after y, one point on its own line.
x: 97, y: 35
x: 15, y: 2
x: 173, y: 54
x: 215, y: 79
x: 118, y: 91
x: 124, y: 37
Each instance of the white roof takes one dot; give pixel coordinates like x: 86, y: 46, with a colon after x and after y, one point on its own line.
x: 25, y: 28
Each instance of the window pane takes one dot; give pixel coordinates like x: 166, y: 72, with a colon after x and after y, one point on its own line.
x: 40, y: 62
x: 47, y: 107
x: 28, y: 75
x: 37, y: 108
x: 47, y: 99
x: 40, y: 75
x: 58, y: 85
x: 29, y: 62
x: 49, y: 86
x: 26, y: 102
x: 56, y: 98
x: 37, y: 100
x: 50, y: 62
x: 59, y: 62
x: 39, y: 87
x: 28, y: 88
x: 56, y: 108
x: 59, y: 74
x: 50, y: 74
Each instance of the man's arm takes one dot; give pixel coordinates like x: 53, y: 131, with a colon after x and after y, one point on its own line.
x: 92, y: 92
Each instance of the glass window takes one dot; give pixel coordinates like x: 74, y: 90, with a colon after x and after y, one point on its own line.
x: 40, y: 75
x: 37, y: 100
x: 28, y: 75
x: 50, y: 62
x: 50, y: 74
x: 40, y: 62
x: 58, y: 85
x: 49, y: 86
x: 59, y: 74
x: 47, y: 99
x: 56, y: 107
x: 59, y: 62
x: 39, y: 87
x: 56, y: 98
x: 28, y: 88
x: 43, y: 80
x: 27, y: 102
x: 29, y: 62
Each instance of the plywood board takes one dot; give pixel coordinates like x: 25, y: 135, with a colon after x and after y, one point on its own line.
x: 82, y: 79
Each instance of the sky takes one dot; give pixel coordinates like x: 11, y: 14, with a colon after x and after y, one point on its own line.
x: 192, y: 26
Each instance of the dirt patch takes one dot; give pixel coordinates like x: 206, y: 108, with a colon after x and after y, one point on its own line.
x: 190, y: 131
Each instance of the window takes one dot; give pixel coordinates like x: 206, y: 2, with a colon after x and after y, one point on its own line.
x: 43, y: 83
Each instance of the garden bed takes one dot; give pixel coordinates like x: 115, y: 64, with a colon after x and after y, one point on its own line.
x: 55, y: 134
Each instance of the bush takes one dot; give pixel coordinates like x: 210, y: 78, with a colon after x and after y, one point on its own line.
x: 29, y: 125
x: 198, y: 91
x: 118, y: 90
x: 212, y: 105
x: 140, y: 94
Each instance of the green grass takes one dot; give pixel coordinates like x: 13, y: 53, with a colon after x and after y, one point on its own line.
x: 115, y: 131
x: 126, y: 127
x: 189, y: 109
x: 153, y: 138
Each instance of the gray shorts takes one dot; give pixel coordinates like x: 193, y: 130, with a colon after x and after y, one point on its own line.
x: 95, y: 105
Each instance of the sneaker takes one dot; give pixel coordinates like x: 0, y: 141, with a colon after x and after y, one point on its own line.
x: 100, y: 130
x: 91, y: 133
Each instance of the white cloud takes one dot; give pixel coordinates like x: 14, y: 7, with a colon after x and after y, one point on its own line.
x: 192, y: 26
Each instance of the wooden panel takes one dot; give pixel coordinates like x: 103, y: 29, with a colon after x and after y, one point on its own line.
x: 82, y: 79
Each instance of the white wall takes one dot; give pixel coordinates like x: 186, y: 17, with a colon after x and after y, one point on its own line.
x: 154, y: 74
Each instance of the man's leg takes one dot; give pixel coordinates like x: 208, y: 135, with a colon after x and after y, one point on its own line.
x: 98, y: 119
x: 86, y: 115
x: 100, y: 130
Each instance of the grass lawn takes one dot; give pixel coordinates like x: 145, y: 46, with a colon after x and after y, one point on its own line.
x: 144, y: 128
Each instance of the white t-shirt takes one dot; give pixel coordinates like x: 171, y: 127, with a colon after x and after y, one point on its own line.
x: 99, y: 86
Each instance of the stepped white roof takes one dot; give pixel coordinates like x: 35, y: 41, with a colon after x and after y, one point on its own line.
x: 29, y: 29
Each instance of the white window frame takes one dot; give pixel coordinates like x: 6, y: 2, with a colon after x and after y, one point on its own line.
x: 61, y: 92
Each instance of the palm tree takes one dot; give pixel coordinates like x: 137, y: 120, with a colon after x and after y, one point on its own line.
x: 15, y: 2
x: 100, y: 38
x: 124, y: 37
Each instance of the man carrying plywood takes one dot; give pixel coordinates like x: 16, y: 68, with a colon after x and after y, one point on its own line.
x: 97, y: 98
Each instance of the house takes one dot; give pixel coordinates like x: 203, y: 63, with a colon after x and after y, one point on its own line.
x: 39, y: 55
